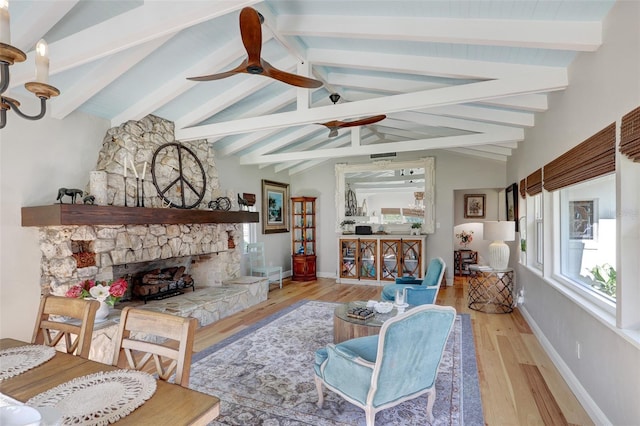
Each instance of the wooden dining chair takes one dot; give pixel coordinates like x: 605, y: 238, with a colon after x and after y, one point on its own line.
x: 77, y: 334
x: 170, y: 349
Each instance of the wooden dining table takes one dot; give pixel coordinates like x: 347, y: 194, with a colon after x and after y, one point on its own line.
x: 171, y: 404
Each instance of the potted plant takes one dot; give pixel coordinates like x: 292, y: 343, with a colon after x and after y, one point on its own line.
x: 347, y: 226
x: 415, y: 228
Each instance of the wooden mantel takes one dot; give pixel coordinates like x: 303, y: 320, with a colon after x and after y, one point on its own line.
x: 83, y: 214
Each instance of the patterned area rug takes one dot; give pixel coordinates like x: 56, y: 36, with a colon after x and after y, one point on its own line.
x: 264, y: 376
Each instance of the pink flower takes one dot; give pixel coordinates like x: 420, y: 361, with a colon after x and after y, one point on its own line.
x: 118, y: 288
x: 75, y: 291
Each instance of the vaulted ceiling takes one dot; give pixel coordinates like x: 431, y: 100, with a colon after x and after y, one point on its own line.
x: 465, y: 76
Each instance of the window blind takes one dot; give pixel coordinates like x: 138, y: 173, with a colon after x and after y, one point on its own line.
x: 594, y: 157
x: 523, y: 187
x: 534, y: 182
x: 630, y: 135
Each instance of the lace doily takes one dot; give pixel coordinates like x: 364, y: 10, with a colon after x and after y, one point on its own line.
x: 99, y: 398
x: 14, y: 361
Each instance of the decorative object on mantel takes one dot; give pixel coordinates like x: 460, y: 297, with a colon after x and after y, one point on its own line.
x: 10, y: 55
x: 249, y: 198
x: 182, y: 192
x: 243, y: 204
x: 220, y: 203
x: 71, y: 192
x: 465, y: 238
x: 89, y: 199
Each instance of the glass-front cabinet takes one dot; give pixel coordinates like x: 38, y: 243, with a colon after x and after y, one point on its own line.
x: 303, y: 238
x: 381, y: 259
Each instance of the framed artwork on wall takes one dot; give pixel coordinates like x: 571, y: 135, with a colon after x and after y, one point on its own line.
x: 275, y: 207
x: 511, y: 195
x: 474, y: 205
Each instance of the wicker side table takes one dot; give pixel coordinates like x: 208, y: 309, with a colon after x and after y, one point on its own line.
x: 491, y: 291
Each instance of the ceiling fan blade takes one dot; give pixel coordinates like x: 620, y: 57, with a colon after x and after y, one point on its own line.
x: 363, y: 121
x: 242, y: 68
x: 251, y: 33
x: 292, y: 79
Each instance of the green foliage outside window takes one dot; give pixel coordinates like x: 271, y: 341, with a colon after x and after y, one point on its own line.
x: 605, y: 279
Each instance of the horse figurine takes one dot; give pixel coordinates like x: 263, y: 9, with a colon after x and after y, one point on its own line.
x: 73, y: 193
x: 89, y: 199
x: 242, y: 203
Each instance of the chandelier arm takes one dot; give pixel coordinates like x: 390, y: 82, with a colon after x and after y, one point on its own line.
x: 4, y: 76
x: 14, y: 107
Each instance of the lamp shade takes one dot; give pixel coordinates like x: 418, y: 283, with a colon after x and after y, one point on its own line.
x: 500, y: 231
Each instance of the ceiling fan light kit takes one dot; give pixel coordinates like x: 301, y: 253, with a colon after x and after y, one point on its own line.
x: 251, y: 33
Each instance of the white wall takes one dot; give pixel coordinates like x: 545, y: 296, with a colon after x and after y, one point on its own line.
x: 36, y: 158
x: 604, y: 86
x: 453, y: 171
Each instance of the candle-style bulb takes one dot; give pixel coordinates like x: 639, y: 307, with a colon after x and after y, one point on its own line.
x: 42, y: 62
x: 5, y: 29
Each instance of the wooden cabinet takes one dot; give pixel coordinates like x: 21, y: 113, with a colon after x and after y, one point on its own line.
x: 462, y: 259
x: 380, y: 259
x: 303, y: 238
x: 358, y: 259
x: 400, y: 258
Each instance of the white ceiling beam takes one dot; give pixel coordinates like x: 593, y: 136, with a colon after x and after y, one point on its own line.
x: 478, y: 113
x: 560, y: 35
x: 142, y: 24
x: 535, y: 102
x: 284, y: 140
x: 433, y: 120
x: 422, y: 65
x: 472, y: 153
x: 383, y: 84
x: 405, y: 146
x: 520, y: 84
x: 104, y: 72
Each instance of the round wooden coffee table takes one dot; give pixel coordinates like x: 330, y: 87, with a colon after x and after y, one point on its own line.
x: 345, y: 327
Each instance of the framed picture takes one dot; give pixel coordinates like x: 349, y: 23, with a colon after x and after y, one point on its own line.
x: 275, y: 207
x: 582, y: 220
x: 474, y: 205
x: 511, y: 195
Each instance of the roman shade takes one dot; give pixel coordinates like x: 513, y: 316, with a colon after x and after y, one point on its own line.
x: 523, y: 187
x: 630, y: 135
x: 534, y: 182
x: 594, y: 157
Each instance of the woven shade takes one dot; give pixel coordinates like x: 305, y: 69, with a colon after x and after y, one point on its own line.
x: 413, y: 212
x: 534, y: 182
x: 630, y: 135
x: 390, y: 210
x: 523, y: 187
x: 592, y: 158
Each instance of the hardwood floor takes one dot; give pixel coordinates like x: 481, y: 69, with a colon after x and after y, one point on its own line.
x: 519, y: 384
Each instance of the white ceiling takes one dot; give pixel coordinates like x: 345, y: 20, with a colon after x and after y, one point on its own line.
x: 466, y: 76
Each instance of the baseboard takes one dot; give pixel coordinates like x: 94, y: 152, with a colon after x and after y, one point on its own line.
x: 590, y: 406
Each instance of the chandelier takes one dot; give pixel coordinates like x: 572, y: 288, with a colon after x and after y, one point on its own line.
x: 10, y: 55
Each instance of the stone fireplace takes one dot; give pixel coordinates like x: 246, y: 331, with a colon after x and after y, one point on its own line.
x: 74, y: 253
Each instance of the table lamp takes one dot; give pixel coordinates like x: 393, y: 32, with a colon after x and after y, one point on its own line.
x: 498, y: 233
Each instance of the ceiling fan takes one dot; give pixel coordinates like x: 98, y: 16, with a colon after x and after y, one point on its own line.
x: 336, y: 125
x: 251, y: 33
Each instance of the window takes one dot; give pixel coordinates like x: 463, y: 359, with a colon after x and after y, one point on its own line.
x: 538, y: 234
x: 249, y: 231
x: 588, y: 235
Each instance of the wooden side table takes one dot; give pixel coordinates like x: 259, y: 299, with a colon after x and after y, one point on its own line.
x: 491, y: 291
x: 462, y: 259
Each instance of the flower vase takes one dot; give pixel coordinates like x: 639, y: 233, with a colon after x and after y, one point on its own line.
x: 102, y: 313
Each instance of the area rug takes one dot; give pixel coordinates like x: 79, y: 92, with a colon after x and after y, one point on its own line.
x: 264, y: 376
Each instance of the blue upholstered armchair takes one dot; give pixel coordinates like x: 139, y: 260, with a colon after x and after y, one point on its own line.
x: 419, y: 292
x: 378, y: 372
